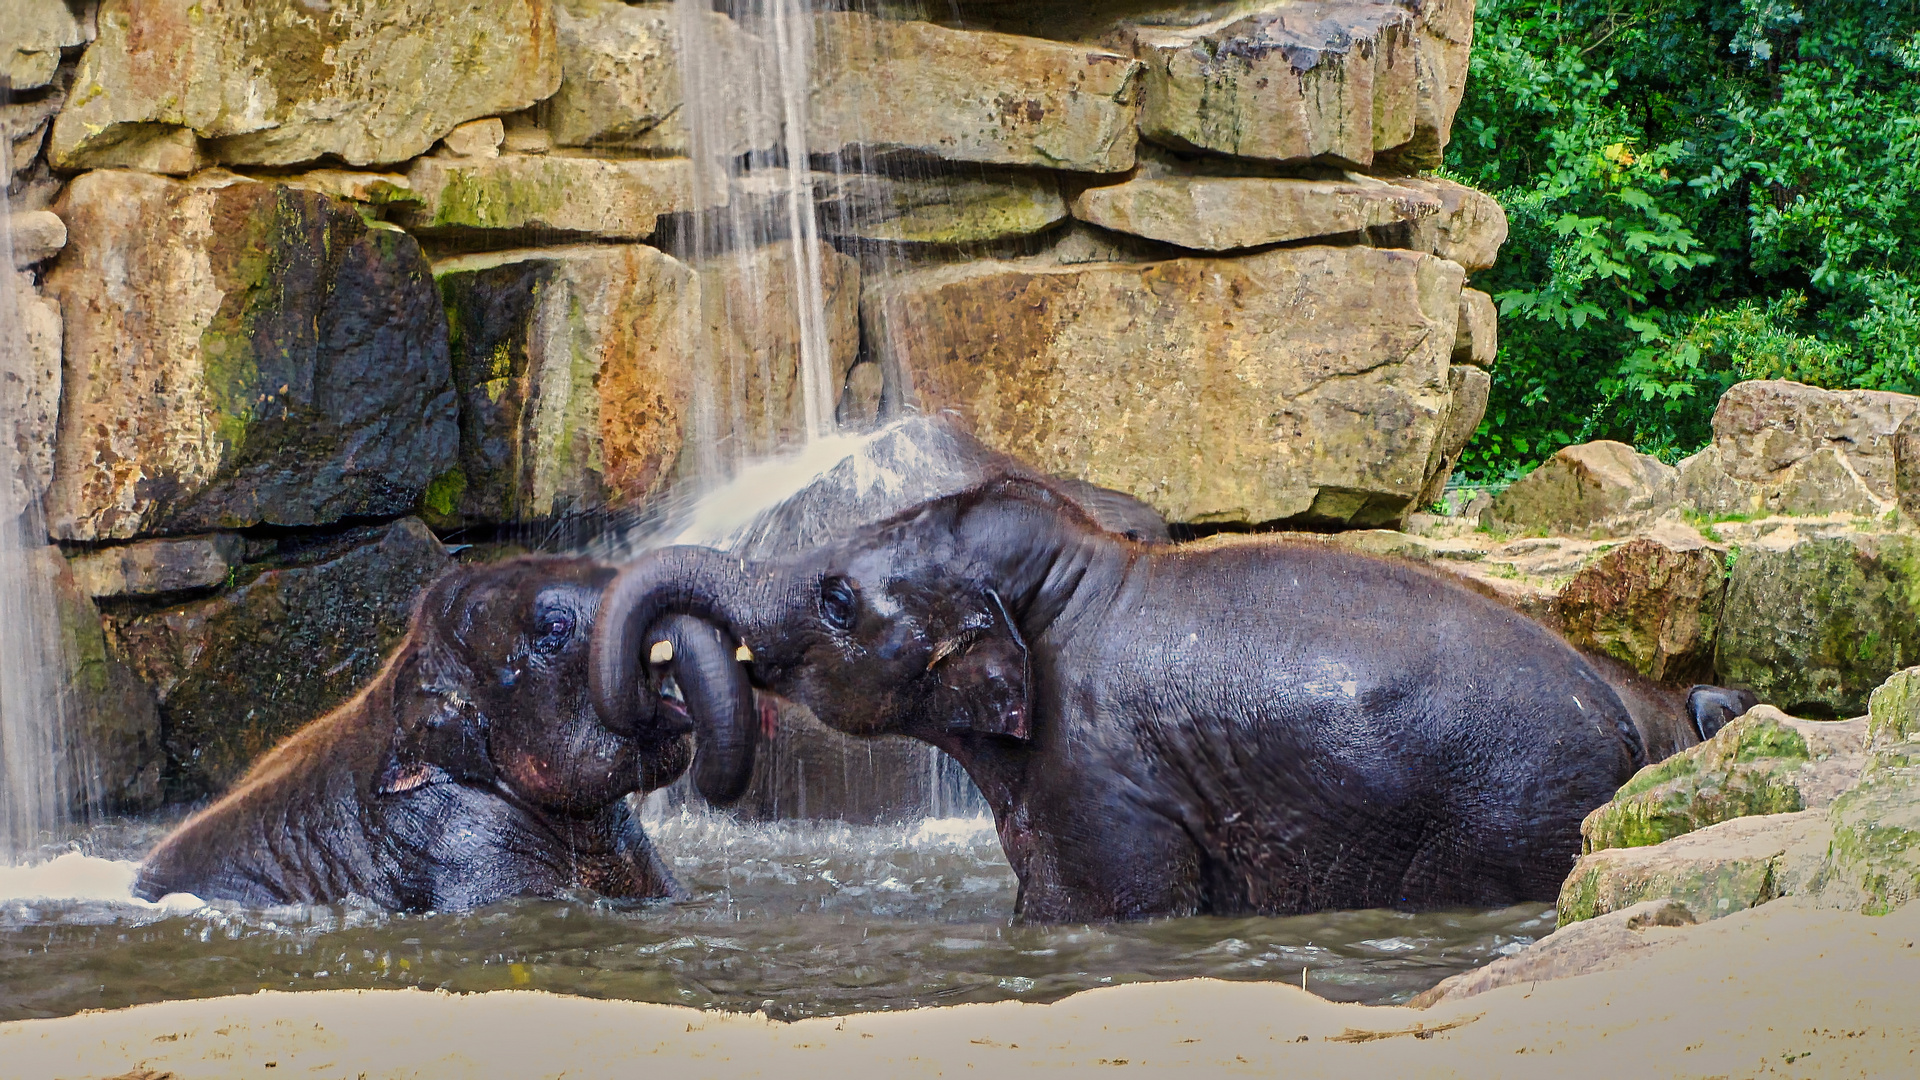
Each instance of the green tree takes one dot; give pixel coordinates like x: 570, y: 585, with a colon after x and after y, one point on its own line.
x: 1699, y: 191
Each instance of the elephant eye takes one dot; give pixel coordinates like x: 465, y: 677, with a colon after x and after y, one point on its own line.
x: 555, y: 630
x: 838, y: 603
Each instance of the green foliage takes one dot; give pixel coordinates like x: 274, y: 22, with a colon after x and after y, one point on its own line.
x: 1699, y: 192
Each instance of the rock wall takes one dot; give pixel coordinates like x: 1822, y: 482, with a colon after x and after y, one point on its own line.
x: 293, y: 272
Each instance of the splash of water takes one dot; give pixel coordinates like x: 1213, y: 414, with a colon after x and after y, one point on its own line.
x: 36, y: 777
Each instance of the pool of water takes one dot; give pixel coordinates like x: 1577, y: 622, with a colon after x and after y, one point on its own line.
x: 794, y: 918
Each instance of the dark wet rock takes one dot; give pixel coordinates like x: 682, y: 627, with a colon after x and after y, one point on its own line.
x: 1652, y: 604
x: 1812, y: 622
x: 111, y: 715
x: 154, y: 567
x: 237, y: 353
x: 238, y: 672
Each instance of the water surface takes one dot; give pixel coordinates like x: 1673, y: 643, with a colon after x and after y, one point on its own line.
x: 794, y: 918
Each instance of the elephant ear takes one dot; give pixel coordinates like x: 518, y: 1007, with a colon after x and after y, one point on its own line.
x: 440, y: 735
x: 988, y: 677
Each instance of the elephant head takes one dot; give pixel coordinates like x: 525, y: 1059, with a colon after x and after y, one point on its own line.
x: 490, y: 690
x: 916, y: 626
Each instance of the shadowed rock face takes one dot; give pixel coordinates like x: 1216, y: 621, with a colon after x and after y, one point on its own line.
x: 238, y: 672
x: 240, y: 353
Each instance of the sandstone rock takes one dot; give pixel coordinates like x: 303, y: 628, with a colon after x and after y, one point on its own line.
x: 30, y: 386
x: 1764, y: 762
x: 1906, y: 468
x: 237, y: 673
x: 1476, y: 341
x: 861, y: 397
x: 754, y: 330
x: 575, y: 195
x: 167, y: 149
x: 240, y: 353
x: 1874, y: 863
x: 32, y: 33
x: 574, y: 366
x: 622, y: 83
x: 38, y: 235
x: 275, y: 82
x: 1468, y: 391
x: 1220, y: 213
x: 1286, y: 82
x: 110, y: 713
x: 1305, y: 384
x: 1784, y: 448
x: 1592, y: 489
x: 1601, y: 943
x: 1440, y: 77
x: 1651, y: 605
x: 1814, y: 624
x: 947, y: 209
x: 151, y: 567
x: 475, y: 139
x: 1732, y: 866
x: 375, y: 189
x: 881, y: 85
x: 1468, y: 228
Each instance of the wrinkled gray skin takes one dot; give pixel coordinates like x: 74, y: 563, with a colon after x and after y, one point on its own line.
x: 473, y: 769
x: 1242, y: 726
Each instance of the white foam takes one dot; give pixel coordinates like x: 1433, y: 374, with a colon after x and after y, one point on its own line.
x: 764, y: 485
x: 74, y: 876
x: 955, y: 830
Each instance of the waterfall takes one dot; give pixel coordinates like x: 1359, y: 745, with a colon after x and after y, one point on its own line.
x: 36, y: 782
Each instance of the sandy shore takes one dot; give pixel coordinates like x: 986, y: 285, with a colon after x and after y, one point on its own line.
x: 1781, y: 991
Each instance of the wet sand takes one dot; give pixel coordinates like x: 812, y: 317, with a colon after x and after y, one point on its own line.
x: 1784, y: 990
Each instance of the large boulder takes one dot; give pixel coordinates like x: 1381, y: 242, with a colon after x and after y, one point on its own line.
x: 1221, y: 213
x: 237, y: 673
x: 575, y: 369
x: 1477, y: 340
x: 30, y: 388
x: 1342, y: 79
x: 1307, y: 384
x: 1813, y: 623
x: 1468, y: 389
x: 112, y: 721
x: 240, y: 353
x: 1873, y: 865
x: 623, y: 79
x: 1784, y: 448
x: 1468, y: 228
x: 881, y: 85
x: 1599, y: 488
x: 1286, y: 82
x: 1764, y: 762
x: 32, y: 33
x: 1906, y: 468
x: 947, y: 208
x: 275, y: 82
x: 555, y: 193
x: 1734, y: 865
x: 1651, y: 603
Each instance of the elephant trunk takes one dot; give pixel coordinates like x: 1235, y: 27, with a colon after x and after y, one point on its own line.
x: 635, y: 634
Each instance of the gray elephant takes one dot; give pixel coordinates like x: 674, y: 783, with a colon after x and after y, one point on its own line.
x: 472, y: 769
x: 1239, y: 725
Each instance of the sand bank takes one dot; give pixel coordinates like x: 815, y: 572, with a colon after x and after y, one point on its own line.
x: 1784, y: 990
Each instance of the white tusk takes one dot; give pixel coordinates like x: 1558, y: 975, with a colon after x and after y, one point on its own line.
x: 662, y: 652
x: 743, y: 654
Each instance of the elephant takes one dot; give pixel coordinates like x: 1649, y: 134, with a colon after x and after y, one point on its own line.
x: 1238, y: 725
x: 472, y: 769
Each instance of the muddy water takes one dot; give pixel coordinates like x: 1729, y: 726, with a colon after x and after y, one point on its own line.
x: 796, y: 918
